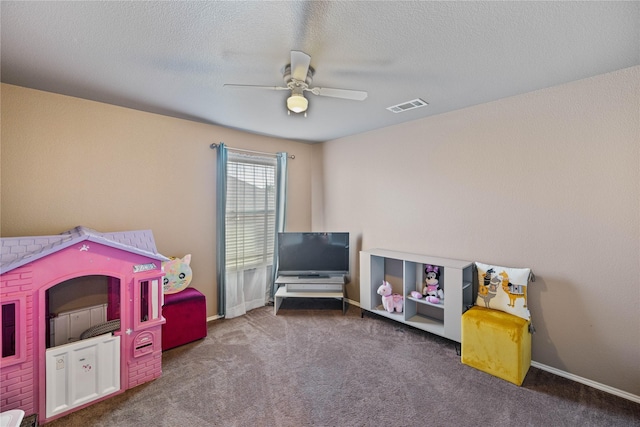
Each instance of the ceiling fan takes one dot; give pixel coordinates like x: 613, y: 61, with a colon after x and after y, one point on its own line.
x: 298, y: 76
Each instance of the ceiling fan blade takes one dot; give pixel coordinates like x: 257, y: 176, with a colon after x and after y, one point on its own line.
x: 256, y: 87
x: 300, y: 62
x: 356, y: 95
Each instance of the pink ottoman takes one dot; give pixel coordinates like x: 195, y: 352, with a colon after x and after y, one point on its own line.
x: 186, y: 315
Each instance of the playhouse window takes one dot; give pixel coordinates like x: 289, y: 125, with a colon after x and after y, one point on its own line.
x: 9, y: 329
x: 144, y: 301
x: 13, y: 331
x: 148, y: 301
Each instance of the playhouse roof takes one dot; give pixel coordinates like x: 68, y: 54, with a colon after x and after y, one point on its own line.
x: 18, y: 251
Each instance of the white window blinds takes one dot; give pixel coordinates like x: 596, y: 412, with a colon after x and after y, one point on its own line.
x: 250, y: 213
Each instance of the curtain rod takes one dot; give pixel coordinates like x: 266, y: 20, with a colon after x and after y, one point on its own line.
x: 213, y: 146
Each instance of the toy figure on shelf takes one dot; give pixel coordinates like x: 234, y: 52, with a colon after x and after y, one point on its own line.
x: 432, y: 291
x: 390, y: 301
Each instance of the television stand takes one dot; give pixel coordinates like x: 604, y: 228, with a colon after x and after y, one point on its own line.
x: 309, y: 287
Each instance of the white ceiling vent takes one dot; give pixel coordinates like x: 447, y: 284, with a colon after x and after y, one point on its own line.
x: 409, y: 105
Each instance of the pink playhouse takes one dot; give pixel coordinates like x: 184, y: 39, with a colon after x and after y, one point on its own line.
x: 81, y: 318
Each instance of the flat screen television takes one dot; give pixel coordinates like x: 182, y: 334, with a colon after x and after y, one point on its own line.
x: 313, y: 254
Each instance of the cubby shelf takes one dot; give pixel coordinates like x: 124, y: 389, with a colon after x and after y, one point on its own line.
x: 421, y: 301
x: 405, y: 272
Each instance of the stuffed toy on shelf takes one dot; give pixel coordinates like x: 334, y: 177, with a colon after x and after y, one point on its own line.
x: 390, y: 301
x: 432, y: 291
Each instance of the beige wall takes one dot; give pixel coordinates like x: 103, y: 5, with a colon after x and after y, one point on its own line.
x: 67, y: 161
x: 548, y: 180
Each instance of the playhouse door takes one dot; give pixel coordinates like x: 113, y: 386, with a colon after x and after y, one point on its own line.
x: 81, y: 372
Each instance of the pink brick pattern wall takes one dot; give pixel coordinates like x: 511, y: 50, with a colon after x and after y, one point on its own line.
x: 17, y: 388
x: 17, y: 385
x: 17, y: 282
x: 145, y: 369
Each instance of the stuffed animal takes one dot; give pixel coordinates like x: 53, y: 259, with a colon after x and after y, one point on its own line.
x: 177, y: 274
x: 431, y: 290
x: 390, y: 301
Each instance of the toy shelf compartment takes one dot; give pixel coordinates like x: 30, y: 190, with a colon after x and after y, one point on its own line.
x: 425, y: 302
x: 391, y: 271
x: 406, y: 273
x: 416, y: 282
x: 418, y: 312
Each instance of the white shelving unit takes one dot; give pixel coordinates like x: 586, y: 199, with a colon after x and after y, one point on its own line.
x: 405, y: 272
x: 309, y: 287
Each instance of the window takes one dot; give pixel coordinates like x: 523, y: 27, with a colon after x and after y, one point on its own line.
x: 251, y: 206
x: 13, y: 332
x: 147, y: 301
x: 8, y: 330
x: 250, y: 213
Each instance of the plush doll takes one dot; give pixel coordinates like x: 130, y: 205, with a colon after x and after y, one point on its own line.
x: 177, y: 274
x: 390, y: 301
x: 431, y: 290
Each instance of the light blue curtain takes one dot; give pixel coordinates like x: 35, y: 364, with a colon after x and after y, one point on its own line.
x: 221, y: 209
x: 281, y: 209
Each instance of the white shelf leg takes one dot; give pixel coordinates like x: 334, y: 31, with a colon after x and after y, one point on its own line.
x: 276, y: 304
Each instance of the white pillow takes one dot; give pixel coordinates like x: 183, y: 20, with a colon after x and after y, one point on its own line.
x: 504, y: 289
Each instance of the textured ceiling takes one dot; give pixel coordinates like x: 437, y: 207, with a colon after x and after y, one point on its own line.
x: 173, y: 58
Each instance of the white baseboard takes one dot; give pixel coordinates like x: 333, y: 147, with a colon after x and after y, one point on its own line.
x: 350, y: 302
x: 586, y: 381
x: 212, y: 318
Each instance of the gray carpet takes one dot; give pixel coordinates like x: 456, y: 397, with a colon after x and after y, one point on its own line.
x: 312, y: 366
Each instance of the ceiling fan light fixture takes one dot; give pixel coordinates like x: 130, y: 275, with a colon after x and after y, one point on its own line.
x: 297, y: 103
x: 298, y: 76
